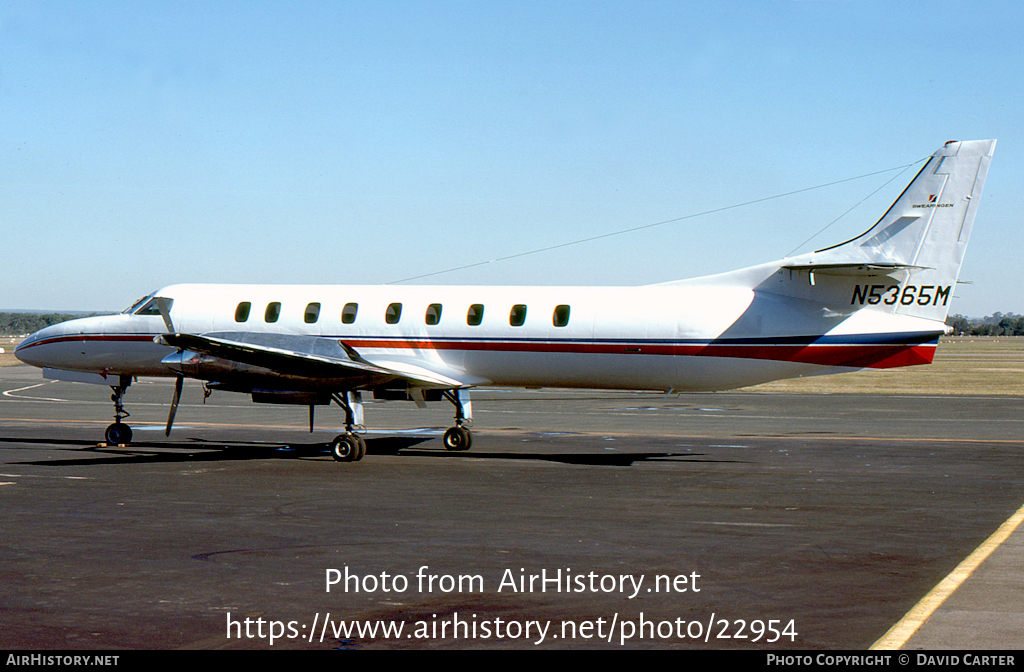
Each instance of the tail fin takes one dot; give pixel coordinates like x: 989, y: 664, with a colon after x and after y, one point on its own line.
x: 924, y: 234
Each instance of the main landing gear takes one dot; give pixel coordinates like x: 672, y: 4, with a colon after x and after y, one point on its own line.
x: 459, y: 437
x: 119, y: 433
x: 349, y: 447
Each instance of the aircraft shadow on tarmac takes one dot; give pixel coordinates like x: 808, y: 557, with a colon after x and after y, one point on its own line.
x: 198, y: 450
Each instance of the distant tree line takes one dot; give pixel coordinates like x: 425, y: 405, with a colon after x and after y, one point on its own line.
x: 996, y: 324
x: 15, y: 324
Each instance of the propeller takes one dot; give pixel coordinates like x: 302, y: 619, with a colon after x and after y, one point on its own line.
x: 164, y: 306
x: 178, y: 382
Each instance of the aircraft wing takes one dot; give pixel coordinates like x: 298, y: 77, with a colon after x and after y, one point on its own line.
x: 306, y: 357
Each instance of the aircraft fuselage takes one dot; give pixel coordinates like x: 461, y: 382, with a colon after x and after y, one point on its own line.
x: 654, y: 337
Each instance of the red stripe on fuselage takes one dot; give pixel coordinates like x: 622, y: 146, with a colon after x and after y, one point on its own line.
x: 878, y: 356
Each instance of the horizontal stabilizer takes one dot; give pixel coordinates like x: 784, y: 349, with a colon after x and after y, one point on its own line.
x: 853, y: 269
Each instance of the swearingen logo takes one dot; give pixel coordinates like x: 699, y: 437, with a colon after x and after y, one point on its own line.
x: 932, y: 204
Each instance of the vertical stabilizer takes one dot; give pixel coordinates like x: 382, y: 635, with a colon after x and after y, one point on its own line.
x: 923, y: 235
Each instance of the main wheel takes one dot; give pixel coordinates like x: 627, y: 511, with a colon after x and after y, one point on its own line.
x: 457, y: 438
x: 346, y: 448
x: 118, y: 433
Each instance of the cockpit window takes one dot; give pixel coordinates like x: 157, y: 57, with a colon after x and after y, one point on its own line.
x: 152, y: 306
x: 138, y: 302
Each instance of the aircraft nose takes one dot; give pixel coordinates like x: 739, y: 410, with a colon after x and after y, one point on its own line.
x: 31, y: 350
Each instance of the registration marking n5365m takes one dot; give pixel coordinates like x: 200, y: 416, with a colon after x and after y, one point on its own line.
x: 922, y: 295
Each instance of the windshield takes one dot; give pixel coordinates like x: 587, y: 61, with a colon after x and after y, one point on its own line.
x: 137, y: 303
x: 152, y: 307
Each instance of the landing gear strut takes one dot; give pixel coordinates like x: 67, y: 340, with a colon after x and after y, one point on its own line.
x: 119, y: 433
x: 349, y: 447
x: 459, y: 437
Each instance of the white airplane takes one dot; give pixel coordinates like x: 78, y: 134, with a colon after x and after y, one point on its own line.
x: 877, y: 301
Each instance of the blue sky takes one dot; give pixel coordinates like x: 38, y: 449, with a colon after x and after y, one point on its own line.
x: 143, y: 144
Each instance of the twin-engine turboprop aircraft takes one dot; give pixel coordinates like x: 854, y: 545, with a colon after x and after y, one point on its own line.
x: 879, y: 300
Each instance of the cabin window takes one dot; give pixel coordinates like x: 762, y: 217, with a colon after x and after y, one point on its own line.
x: 475, y: 315
x: 273, y: 312
x: 348, y: 313
x: 393, y: 314
x: 242, y: 312
x: 561, y: 316
x: 312, y: 313
x: 517, y: 316
x: 433, y: 313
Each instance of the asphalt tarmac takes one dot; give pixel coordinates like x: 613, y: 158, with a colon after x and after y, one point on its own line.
x: 729, y: 520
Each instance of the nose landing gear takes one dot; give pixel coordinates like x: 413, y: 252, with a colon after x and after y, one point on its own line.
x: 119, y: 433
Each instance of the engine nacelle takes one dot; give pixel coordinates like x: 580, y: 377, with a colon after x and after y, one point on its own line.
x: 198, y: 365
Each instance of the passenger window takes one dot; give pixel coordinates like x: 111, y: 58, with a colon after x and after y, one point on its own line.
x: 312, y: 313
x: 273, y: 312
x: 561, y: 316
x: 475, y: 315
x: 348, y: 313
x: 393, y: 314
x: 242, y: 312
x: 433, y: 313
x: 518, y: 315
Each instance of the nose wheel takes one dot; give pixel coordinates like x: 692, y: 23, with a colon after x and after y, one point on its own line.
x: 119, y: 433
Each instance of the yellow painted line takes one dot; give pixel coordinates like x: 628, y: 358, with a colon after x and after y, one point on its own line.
x: 898, y: 634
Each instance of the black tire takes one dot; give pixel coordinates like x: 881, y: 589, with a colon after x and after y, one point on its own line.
x: 118, y: 433
x: 458, y: 439
x: 345, y: 448
x: 362, y: 447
